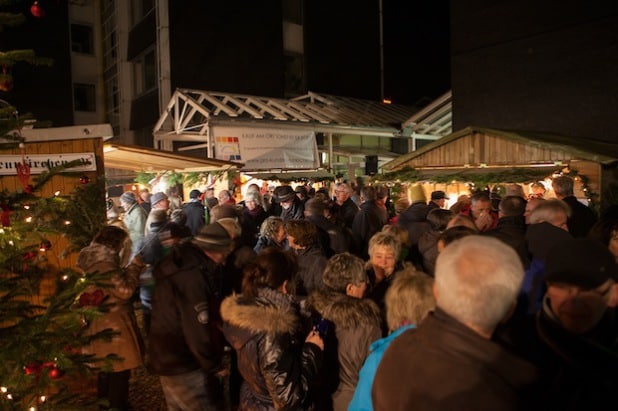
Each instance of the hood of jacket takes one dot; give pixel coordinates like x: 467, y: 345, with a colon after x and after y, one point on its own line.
x: 270, y: 312
x: 343, y: 310
x: 97, y: 255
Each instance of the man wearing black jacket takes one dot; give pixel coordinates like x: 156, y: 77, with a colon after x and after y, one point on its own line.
x: 185, y: 344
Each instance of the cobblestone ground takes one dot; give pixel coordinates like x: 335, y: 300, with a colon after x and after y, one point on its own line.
x: 145, y: 392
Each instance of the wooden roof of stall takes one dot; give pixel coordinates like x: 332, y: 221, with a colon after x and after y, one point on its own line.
x: 482, y: 147
x: 137, y: 158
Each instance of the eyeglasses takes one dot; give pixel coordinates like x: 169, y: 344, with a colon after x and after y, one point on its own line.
x: 568, y: 290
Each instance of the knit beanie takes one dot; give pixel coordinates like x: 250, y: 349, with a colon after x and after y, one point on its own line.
x: 213, y: 237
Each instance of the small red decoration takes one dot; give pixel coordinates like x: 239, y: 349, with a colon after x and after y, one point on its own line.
x: 84, y: 179
x: 6, y: 80
x: 37, y: 10
x: 93, y: 299
x: 45, y: 245
x: 36, y: 368
x: 29, y: 189
x: 5, y: 220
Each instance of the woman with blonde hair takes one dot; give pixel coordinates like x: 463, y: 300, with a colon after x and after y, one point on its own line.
x: 408, y: 301
x: 272, y: 234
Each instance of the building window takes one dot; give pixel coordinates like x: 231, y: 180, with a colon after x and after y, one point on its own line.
x: 140, y: 8
x: 84, y: 97
x: 293, y: 11
x: 145, y: 72
x: 81, y: 39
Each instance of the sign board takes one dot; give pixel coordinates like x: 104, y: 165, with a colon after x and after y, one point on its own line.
x: 40, y: 163
x: 266, y: 148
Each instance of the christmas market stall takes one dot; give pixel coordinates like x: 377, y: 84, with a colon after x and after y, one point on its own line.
x: 477, y: 158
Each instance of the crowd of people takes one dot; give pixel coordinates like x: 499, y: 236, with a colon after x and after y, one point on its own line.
x: 343, y: 300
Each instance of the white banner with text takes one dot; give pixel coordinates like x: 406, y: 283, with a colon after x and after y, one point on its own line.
x: 265, y: 148
x: 40, y: 163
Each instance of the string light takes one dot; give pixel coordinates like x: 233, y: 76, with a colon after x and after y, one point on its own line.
x: 57, y: 193
x: 28, y: 219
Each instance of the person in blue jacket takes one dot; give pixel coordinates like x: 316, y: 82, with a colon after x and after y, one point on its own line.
x: 408, y: 300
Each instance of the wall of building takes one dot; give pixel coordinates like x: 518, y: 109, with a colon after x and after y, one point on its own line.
x: 221, y: 46
x: 536, y: 65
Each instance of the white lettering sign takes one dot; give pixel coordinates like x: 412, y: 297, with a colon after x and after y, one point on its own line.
x: 40, y: 163
x: 263, y: 149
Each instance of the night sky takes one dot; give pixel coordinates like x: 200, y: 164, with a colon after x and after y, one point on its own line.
x: 416, y: 50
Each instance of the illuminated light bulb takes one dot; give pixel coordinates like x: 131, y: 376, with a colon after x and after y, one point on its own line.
x: 32, y: 409
x: 65, y: 277
x: 28, y: 219
x: 3, y: 390
x: 57, y: 193
x: 9, y: 396
x: 11, y: 242
x: 43, y: 398
x: 1, y: 230
x: 27, y: 207
x: 67, y: 222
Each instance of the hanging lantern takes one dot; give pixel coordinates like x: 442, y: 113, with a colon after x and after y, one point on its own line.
x: 36, y: 10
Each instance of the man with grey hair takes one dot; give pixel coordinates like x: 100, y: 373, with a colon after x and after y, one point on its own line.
x: 581, y: 218
x: 346, y: 207
x: 450, y: 359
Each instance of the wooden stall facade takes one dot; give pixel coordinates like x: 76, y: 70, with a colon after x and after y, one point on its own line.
x: 476, y: 150
x: 63, y: 183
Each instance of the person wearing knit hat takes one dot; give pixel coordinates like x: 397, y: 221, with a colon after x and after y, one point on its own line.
x: 158, y: 201
x: 134, y: 218
x: 185, y: 342
x: 572, y: 338
x: 157, y: 197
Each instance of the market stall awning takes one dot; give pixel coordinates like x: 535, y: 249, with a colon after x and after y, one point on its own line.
x: 136, y: 158
x: 294, y: 175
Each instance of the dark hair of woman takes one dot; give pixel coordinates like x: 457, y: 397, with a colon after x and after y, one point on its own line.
x: 111, y: 236
x: 305, y: 233
x: 271, y: 268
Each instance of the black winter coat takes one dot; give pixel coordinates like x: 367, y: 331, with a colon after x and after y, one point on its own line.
x: 184, y: 334
x: 278, y: 369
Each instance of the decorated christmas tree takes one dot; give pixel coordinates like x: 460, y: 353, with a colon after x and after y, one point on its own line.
x: 43, y: 308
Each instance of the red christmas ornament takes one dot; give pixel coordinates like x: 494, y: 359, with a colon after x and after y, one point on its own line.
x: 33, y: 369
x: 54, y: 372
x: 93, y: 299
x: 84, y: 179
x: 37, y: 10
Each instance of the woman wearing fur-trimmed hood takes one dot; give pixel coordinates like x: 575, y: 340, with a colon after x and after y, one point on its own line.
x: 355, y: 323
x: 263, y: 325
